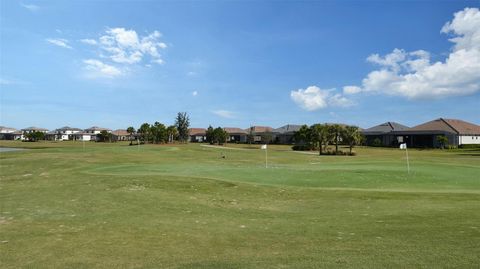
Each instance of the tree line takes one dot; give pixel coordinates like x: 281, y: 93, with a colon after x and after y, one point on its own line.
x: 216, y: 136
x: 320, y: 136
x: 157, y: 132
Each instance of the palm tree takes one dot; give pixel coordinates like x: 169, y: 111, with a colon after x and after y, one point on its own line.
x: 335, y: 131
x: 352, y: 136
x: 319, y: 133
x: 171, y: 133
x: 130, y: 131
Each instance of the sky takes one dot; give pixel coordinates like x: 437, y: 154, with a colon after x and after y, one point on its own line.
x: 116, y: 64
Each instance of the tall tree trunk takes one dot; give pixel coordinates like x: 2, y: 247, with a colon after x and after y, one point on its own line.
x: 336, y: 144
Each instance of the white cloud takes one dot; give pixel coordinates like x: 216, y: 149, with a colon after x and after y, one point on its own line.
x: 89, y: 41
x: 351, y: 89
x: 30, y: 7
x: 59, y: 42
x: 194, y: 93
x: 314, y: 98
x: 98, y: 69
x: 414, y: 76
x: 127, y: 47
x: 224, y: 114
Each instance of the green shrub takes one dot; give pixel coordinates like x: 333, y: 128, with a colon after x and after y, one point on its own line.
x: 377, y: 142
x: 470, y: 146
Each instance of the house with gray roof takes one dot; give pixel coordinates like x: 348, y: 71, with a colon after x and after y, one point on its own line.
x: 285, y: 134
x: 385, y: 133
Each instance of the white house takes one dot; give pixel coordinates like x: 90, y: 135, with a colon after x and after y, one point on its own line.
x: 7, y: 133
x: 66, y: 133
x: 83, y: 136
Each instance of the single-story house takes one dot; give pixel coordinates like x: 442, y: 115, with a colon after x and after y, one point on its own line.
x: 120, y: 135
x: 425, y: 135
x: 236, y: 135
x: 384, y: 133
x: 260, y: 134
x: 197, y: 135
x: 285, y: 134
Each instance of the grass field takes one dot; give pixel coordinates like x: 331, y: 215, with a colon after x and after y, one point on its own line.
x: 183, y: 206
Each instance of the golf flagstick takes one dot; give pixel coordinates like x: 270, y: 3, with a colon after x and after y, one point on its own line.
x: 404, y: 146
x: 264, y: 147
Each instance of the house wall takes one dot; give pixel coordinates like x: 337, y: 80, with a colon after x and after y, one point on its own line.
x: 468, y: 139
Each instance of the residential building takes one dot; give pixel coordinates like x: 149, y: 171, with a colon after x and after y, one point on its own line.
x: 285, y: 134
x: 7, y: 133
x: 64, y: 133
x: 34, y: 129
x: 96, y: 130
x: 197, y: 135
x: 384, y: 134
x: 120, y: 135
x: 260, y: 134
x: 425, y: 135
x: 236, y: 135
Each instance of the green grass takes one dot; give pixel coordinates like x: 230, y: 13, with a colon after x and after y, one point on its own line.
x: 183, y: 206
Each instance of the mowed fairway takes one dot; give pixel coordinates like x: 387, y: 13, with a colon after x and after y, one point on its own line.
x: 183, y: 206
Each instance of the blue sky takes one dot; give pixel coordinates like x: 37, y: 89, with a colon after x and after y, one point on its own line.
x: 121, y: 63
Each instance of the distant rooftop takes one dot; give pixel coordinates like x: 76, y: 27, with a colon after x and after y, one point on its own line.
x: 234, y: 130
x: 68, y: 128
x: 260, y: 129
x: 197, y: 131
x: 33, y: 128
x: 386, y: 128
x: 287, y: 128
x: 96, y: 128
x: 449, y: 125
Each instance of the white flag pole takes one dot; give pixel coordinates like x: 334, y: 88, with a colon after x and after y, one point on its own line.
x: 408, y: 163
x: 266, y: 158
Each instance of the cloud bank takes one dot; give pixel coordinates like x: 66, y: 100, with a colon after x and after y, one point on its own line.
x: 119, y: 48
x: 412, y: 74
x: 313, y: 98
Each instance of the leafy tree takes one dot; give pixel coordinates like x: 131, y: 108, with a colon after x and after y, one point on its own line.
x: 210, y: 134
x: 104, y: 136
x: 182, y: 122
x: 158, y: 133
x: 34, y: 136
x: 442, y: 140
x: 302, y: 136
x: 220, y: 136
x: 144, y: 132
x: 351, y: 136
x: 130, y: 131
x: 172, y: 133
